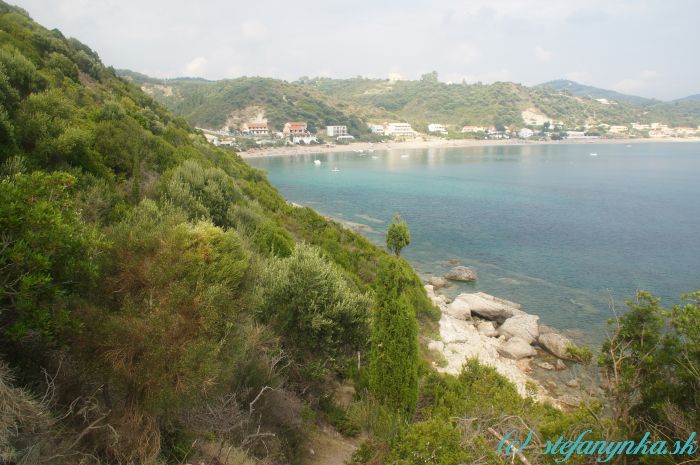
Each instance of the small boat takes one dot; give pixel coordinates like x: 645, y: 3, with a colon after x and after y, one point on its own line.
x: 593, y: 154
x: 317, y: 162
x: 370, y: 150
x: 335, y: 170
x: 405, y: 155
x: 374, y: 157
x: 628, y: 146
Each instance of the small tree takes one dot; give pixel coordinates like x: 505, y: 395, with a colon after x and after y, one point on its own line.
x: 398, y: 235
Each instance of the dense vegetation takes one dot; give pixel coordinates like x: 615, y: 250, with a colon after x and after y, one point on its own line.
x: 161, y: 303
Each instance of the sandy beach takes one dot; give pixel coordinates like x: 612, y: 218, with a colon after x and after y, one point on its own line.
x: 437, y: 143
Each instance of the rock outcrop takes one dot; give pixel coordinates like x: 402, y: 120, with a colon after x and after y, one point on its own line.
x: 516, y: 348
x: 438, y: 282
x: 461, y: 273
x: 521, y: 325
x: 459, y: 308
x: 487, y: 328
x: 491, y: 308
x: 557, y: 345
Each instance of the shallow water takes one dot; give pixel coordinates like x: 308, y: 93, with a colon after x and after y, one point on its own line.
x: 549, y: 226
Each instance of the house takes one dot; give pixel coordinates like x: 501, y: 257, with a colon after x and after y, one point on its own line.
x: 376, y: 129
x: 336, y: 131
x: 525, y: 133
x: 434, y: 127
x: 618, y: 129
x: 472, y: 129
x: 295, y: 128
x: 640, y: 127
x: 399, y: 131
x: 212, y: 139
x: 255, y: 129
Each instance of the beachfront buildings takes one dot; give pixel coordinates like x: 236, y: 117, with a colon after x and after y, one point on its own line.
x: 295, y: 128
x: 439, y: 128
x: 618, y: 129
x: 255, y: 129
x: 376, y: 129
x: 525, y: 133
x: 336, y: 131
x: 399, y: 131
x: 473, y: 129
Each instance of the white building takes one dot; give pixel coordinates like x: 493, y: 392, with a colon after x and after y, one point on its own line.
x: 575, y: 135
x: 618, y: 129
x: 525, y: 133
x: 336, y: 131
x: 640, y: 127
x: 434, y: 127
x: 255, y: 129
x: 377, y: 129
x: 399, y: 131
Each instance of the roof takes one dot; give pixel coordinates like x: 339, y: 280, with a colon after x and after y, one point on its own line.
x: 257, y: 125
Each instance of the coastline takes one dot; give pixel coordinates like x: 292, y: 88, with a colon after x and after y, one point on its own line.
x: 442, y: 143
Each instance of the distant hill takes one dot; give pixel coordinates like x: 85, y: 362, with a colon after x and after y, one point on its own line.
x: 690, y: 98
x: 357, y: 101
x: 582, y: 90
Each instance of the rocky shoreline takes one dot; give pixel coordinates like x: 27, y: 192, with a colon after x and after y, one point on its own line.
x: 499, y: 333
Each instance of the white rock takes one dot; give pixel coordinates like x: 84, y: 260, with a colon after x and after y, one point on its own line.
x: 523, y: 326
x: 490, y: 307
x: 545, y: 365
x: 436, y: 345
x: 556, y: 344
x: 487, y: 328
x: 516, y: 348
x: 459, y: 308
x: 438, y: 282
x: 560, y: 365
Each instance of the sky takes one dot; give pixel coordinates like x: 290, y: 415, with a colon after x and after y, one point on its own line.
x: 642, y: 47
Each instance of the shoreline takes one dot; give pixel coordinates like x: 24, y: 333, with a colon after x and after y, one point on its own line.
x: 441, y: 143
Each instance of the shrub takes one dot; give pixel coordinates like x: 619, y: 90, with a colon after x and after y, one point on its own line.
x: 312, y: 306
x: 393, y: 367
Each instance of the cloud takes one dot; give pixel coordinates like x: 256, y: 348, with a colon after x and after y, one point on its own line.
x: 641, y: 83
x: 542, y: 55
x: 253, y: 29
x: 196, y: 67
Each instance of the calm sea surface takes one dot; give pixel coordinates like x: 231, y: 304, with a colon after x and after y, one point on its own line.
x: 550, y: 226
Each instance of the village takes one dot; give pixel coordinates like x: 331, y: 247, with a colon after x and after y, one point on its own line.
x: 258, y: 133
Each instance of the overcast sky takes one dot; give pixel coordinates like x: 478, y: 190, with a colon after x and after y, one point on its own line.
x: 642, y: 47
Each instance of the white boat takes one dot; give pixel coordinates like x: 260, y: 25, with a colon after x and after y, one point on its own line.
x: 335, y: 170
x: 374, y: 157
x: 317, y: 162
x: 593, y: 154
x: 628, y: 146
x: 404, y: 155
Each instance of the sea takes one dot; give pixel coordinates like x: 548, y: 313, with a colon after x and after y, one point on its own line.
x: 569, y: 231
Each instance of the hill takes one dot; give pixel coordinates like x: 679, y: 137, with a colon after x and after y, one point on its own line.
x: 356, y: 101
x: 582, y: 90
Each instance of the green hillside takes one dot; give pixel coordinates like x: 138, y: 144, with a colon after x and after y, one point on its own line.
x: 357, y: 101
x: 161, y: 303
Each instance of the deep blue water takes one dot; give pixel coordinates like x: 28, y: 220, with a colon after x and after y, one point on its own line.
x: 549, y: 226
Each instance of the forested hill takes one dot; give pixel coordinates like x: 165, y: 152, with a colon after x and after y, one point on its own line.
x: 322, y: 101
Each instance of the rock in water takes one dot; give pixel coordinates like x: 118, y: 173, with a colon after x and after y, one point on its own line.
x: 545, y: 366
x: 557, y: 345
x: 560, y: 365
x: 516, y: 348
x: 523, y: 326
x: 438, y: 282
x: 459, y: 308
x: 461, y: 273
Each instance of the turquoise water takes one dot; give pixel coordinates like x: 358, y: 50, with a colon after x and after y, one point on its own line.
x: 549, y: 226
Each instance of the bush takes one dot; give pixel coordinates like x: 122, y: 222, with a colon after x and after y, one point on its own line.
x: 312, y: 306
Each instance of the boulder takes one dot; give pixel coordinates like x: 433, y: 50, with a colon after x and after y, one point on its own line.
x: 461, y: 273
x: 573, y: 383
x: 438, y: 282
x: 556, y: 344
x: 459, y: 309
x: 516, y: 348
x: 570, y: 400
x: 489, y: 307
x: 560, y: 366
x: 523, y: 326
x: 487, y: 328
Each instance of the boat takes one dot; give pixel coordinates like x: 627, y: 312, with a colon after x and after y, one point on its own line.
x: 335, y: 170
x: 593, y: 154
x: 405, y: 155
x: 374, y: 157
x: 317, y: 162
